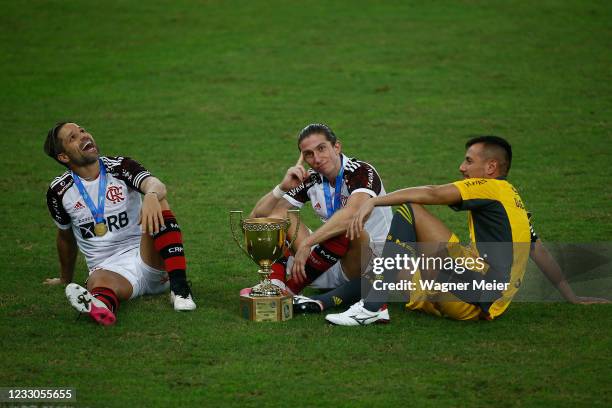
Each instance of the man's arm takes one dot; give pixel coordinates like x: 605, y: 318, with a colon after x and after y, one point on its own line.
x: 67, y: 253
x: 551, y: 269
x: 154, y: 185
x: 268, y: 204
x: 446, y: 194
x: 339, y: 222
x: 336, y: 225
x: 151, y: 218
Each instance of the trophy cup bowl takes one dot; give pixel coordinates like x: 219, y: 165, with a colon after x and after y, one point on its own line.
x: 263, y: 240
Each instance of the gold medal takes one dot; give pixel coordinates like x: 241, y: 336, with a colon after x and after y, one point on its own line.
x: 100, y: 229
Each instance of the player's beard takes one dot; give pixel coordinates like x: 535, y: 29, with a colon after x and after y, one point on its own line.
x: 82, y: 161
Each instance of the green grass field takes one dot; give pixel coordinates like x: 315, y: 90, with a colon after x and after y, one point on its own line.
x: 209, y: 95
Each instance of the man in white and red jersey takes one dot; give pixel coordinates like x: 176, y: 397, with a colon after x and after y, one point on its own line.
x: 336, y: 187
x: 133, y: 245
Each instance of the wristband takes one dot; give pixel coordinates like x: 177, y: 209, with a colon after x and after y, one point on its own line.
x: 277, y: 192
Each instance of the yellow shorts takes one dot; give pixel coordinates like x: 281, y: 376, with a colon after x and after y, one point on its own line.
x: 446, y: 304
x: 450, y: 306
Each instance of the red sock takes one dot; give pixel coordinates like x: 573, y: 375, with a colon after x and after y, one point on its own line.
x: 106, y: 296
x: 324, y: 255
x: 169, y: 243
x: 278, y: 271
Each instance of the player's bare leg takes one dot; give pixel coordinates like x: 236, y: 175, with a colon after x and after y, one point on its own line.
x: 353, y: 262
x: 101, y: 278
x: 428, y: 227
x: 432, y: 235
x: 412, y: 226
x: 358, y: 254
x: 164, y: 251
x: 148, y: 253
x: 302, y: 233
x: 323, y: 256
x: 101, y: 299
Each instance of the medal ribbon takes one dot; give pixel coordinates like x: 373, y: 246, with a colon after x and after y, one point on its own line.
x: 333, y: 206
x: 97, y: 212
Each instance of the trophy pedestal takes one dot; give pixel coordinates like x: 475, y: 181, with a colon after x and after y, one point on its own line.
x: 266, y: 308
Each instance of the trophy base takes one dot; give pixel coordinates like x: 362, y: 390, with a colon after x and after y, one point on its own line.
x: 266, y: 308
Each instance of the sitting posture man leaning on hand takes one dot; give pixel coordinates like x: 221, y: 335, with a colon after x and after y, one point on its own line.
x: 97, y: 206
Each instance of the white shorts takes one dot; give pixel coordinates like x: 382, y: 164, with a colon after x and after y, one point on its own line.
x: 330, y: 279
x: 145, y: 279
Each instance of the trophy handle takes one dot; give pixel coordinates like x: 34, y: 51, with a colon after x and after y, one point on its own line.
x: 297, y: 227
x: 232, y: 213
x: 296, y: 211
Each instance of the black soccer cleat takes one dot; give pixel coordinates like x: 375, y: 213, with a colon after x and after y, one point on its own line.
x: 306, y: 305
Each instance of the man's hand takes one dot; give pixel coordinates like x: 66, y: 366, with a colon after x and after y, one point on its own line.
x: 151, y: 218
x: 53, y: 281
x: 355, y: 226
x: 295, y: 175
x: 298, y: 271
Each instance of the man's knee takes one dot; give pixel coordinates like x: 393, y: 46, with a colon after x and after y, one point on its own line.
x: 111, y: 280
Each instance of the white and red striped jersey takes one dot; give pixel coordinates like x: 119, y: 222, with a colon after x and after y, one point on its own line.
x: 358, y: 177
x: 121, y: 209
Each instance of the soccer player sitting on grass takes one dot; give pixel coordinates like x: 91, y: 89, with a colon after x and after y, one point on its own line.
x: 499, y: 227
x: 336, y: 186
x: 97, y: 206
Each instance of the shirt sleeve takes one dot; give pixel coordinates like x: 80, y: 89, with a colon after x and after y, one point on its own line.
x: 299, y: 196
x: 57, y: 210
x: 363, y: 179
x: 133, y: 173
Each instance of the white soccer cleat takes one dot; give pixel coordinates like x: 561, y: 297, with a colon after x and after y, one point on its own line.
x: 85, y: 302
x: 357, y: 315
x: 182, y: 300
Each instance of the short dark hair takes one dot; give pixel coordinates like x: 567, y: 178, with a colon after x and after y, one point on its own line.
x: 53, y: 146
x: 317, y: 128
x: 496, y: 146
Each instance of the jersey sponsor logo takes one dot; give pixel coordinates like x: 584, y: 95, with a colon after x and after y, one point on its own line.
x: 115, y: 194
x: 295, y: 191
x: 78, y: 206
x: 472, y: 183
x: 317, y: 206
x: 328, y: 256
x: 87, y: 230
x: 370, y: 177
x: 519, y: 203
x: 57, y: 211
x: 64, y: 188
x: 127, y: 175
x: 113, y: 223
x: 314, y: 261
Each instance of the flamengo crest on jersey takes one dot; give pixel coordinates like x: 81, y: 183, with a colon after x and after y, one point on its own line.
x: 122, y: 208
x: 358, y: 177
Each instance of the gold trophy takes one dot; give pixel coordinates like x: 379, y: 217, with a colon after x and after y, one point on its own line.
x: 264, y: 243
